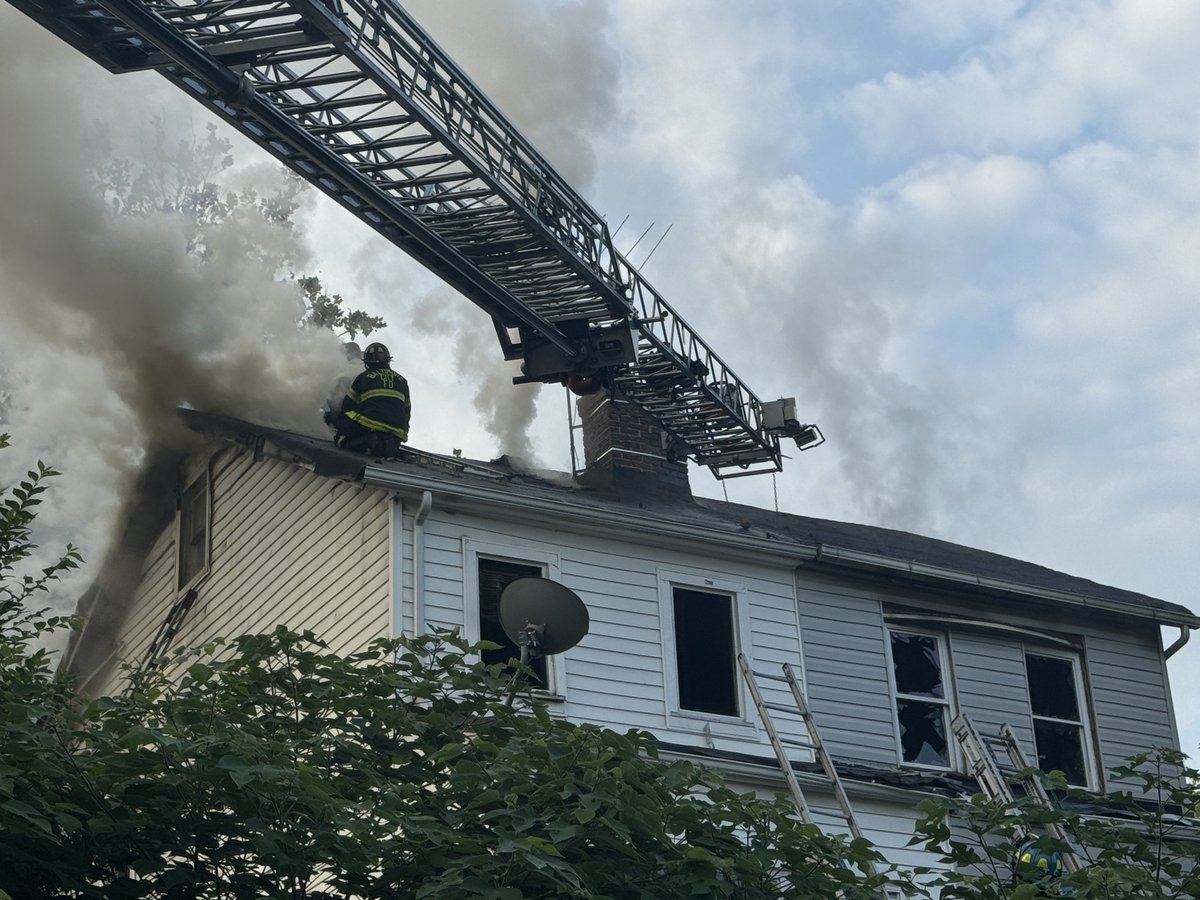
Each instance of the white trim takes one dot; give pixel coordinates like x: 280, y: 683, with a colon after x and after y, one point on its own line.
x: 948, y: 703
x: 207, y: 474
x: 516, y: 552
x: 741, y: 725
x: 1084, y: 724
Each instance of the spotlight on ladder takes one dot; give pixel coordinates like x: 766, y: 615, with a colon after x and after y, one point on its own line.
x: 779, y: 417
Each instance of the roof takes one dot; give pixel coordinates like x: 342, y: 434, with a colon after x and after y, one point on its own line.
x: 821, y: 543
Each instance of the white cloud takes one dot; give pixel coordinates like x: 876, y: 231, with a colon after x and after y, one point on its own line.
x: 707, y: 87
x: 1046, y: 77
x: 948, y: 21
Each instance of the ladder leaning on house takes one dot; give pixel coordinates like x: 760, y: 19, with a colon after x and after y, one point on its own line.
x: 997, y: 781
x: 814, y: 743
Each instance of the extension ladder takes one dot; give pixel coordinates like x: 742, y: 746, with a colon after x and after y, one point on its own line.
x: 814, y: 743
x: 997, y: 781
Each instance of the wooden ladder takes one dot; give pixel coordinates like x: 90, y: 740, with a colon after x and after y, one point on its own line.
x: 997, y: 781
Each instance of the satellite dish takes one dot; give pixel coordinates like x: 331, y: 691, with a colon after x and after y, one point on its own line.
x: 542, y: 615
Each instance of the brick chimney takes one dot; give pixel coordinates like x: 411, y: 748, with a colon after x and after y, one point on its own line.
x: 623, y: 447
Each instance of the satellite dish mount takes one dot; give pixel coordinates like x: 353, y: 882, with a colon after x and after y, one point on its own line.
x: 543, y: 618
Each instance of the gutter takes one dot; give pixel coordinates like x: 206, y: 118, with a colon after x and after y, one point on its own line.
x: 858, y: 559
x: 600, y: 521
x: 1184, y: 635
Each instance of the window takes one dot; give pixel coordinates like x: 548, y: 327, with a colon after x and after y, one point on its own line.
x: 193, y: 532
x: 704, y: 651
x: 922, y: 699
x: 494, y: 576
x: 1059, y: 733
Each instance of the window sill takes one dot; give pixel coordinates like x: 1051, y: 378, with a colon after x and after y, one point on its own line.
x: 922, y: 767
x: 722, y: 726
x: 198, y: 579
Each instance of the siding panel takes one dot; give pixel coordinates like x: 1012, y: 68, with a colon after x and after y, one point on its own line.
x: 287, y: 547
x: 846, y: 675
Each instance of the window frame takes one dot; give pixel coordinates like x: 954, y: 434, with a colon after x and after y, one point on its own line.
x: 948, y: 703
x: 696, y: 720
x: 182, y: 587
x: 521, y: 555
x: 1087, y: 744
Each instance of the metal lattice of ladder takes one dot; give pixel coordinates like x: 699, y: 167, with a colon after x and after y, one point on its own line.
x: 355, y: 97
x: 996, y: 780
x: 814, y: 743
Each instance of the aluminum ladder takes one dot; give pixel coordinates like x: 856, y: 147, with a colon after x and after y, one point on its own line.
x: 996, y: 781
x: 814, y: 743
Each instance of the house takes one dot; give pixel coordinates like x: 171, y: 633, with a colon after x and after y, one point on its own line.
x: 891, y: 633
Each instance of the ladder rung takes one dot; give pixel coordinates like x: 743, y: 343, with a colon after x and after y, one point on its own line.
x: 779, y: 707
x: 767, y: 676
x: 792, y: 742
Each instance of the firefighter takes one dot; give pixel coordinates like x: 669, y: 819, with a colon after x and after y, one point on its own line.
x: 375, y: 411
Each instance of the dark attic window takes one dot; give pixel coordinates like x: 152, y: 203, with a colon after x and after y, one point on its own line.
x: 922, y: 704
x: 494, y: 576
x: 1058, y: 731
x: 193, y: 531
x: 704, y: 651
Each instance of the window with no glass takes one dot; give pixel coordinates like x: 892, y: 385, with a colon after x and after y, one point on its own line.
x: 193, y: 531
x: 704, y: 651
x: 919, y: 675
x: 494, y: 576
x: 1058, y: 727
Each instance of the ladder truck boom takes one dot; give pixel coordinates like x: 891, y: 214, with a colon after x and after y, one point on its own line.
x: 355, y: 97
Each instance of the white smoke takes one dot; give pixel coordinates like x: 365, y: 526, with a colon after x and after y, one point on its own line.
x: 551, y: 68
x: 506, y: 410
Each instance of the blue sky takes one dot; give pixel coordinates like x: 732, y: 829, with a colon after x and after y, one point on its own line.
x: 964, y: 235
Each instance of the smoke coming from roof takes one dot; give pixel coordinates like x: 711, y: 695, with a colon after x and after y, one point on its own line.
x: 110, y: 323
x: 506, y: 410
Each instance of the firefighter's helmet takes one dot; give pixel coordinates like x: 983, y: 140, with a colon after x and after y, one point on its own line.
x: 1037, y: 866
x: 376, y: 356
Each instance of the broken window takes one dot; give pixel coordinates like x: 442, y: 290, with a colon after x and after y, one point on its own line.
x: 1058, y: 728
x: 193, y: 531
x: 705, y: 651
x: 494, y: 576
x: 922, y: 700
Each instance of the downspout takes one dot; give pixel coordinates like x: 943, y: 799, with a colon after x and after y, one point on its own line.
x: 1185, y: 635
x: 418, y: 562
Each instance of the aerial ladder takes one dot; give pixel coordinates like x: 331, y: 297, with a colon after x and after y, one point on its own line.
x: 355, y: 97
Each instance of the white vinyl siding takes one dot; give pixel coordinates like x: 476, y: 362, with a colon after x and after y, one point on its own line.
x: 845, y: 668
x: 288, y: 547
x: 615, y: 676
x: 989, y: 681
x: 1129, y: 695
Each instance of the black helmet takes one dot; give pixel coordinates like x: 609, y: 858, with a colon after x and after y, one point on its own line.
x: 376, y: 356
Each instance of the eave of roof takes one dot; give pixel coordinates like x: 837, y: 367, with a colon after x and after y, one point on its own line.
x: 744, y: 530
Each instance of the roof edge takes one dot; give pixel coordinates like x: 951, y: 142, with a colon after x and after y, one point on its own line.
x: 840, y: 557
x: 787, y: 553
